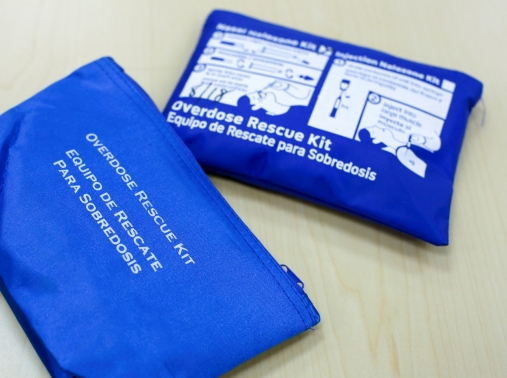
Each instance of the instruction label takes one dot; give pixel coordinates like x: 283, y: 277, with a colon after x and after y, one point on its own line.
x: 396, y: 110
x: 273, y: 76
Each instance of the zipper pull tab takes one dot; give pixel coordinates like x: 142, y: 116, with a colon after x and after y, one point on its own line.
x: 292, y: 276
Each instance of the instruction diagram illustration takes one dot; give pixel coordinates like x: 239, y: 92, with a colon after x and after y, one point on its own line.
x: 395, y: 111
x: 277, y: 98
x: 344, y: 85
x: 274, y: 77
x: 388, y: 130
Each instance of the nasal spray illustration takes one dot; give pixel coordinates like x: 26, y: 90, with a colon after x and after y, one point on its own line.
x: 344, y: 85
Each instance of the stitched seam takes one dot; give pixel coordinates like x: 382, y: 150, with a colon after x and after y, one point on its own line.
x: 208, y: 193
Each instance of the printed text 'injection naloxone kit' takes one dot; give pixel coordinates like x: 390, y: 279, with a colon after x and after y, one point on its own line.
x: 341, y: 125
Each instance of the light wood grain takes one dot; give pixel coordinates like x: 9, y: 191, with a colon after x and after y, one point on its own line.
x: 391, y: 306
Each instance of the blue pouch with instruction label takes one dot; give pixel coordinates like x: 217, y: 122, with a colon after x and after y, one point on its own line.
x: 117, y: 255
x: 341, y: 125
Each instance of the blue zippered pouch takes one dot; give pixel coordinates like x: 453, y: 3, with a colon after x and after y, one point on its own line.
x: 118, y: 256
x: 348, y: 127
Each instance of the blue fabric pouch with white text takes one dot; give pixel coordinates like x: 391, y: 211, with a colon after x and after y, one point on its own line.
x: 348, y: 127
x: 117, y: 255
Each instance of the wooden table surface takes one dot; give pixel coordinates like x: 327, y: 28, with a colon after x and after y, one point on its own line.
x: 391, y: 306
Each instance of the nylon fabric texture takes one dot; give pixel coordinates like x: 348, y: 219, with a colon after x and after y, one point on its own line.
x: 118, y: 256
x: 344, y: 126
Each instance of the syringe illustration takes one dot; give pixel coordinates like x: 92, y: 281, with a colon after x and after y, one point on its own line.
x: 344, y: 85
